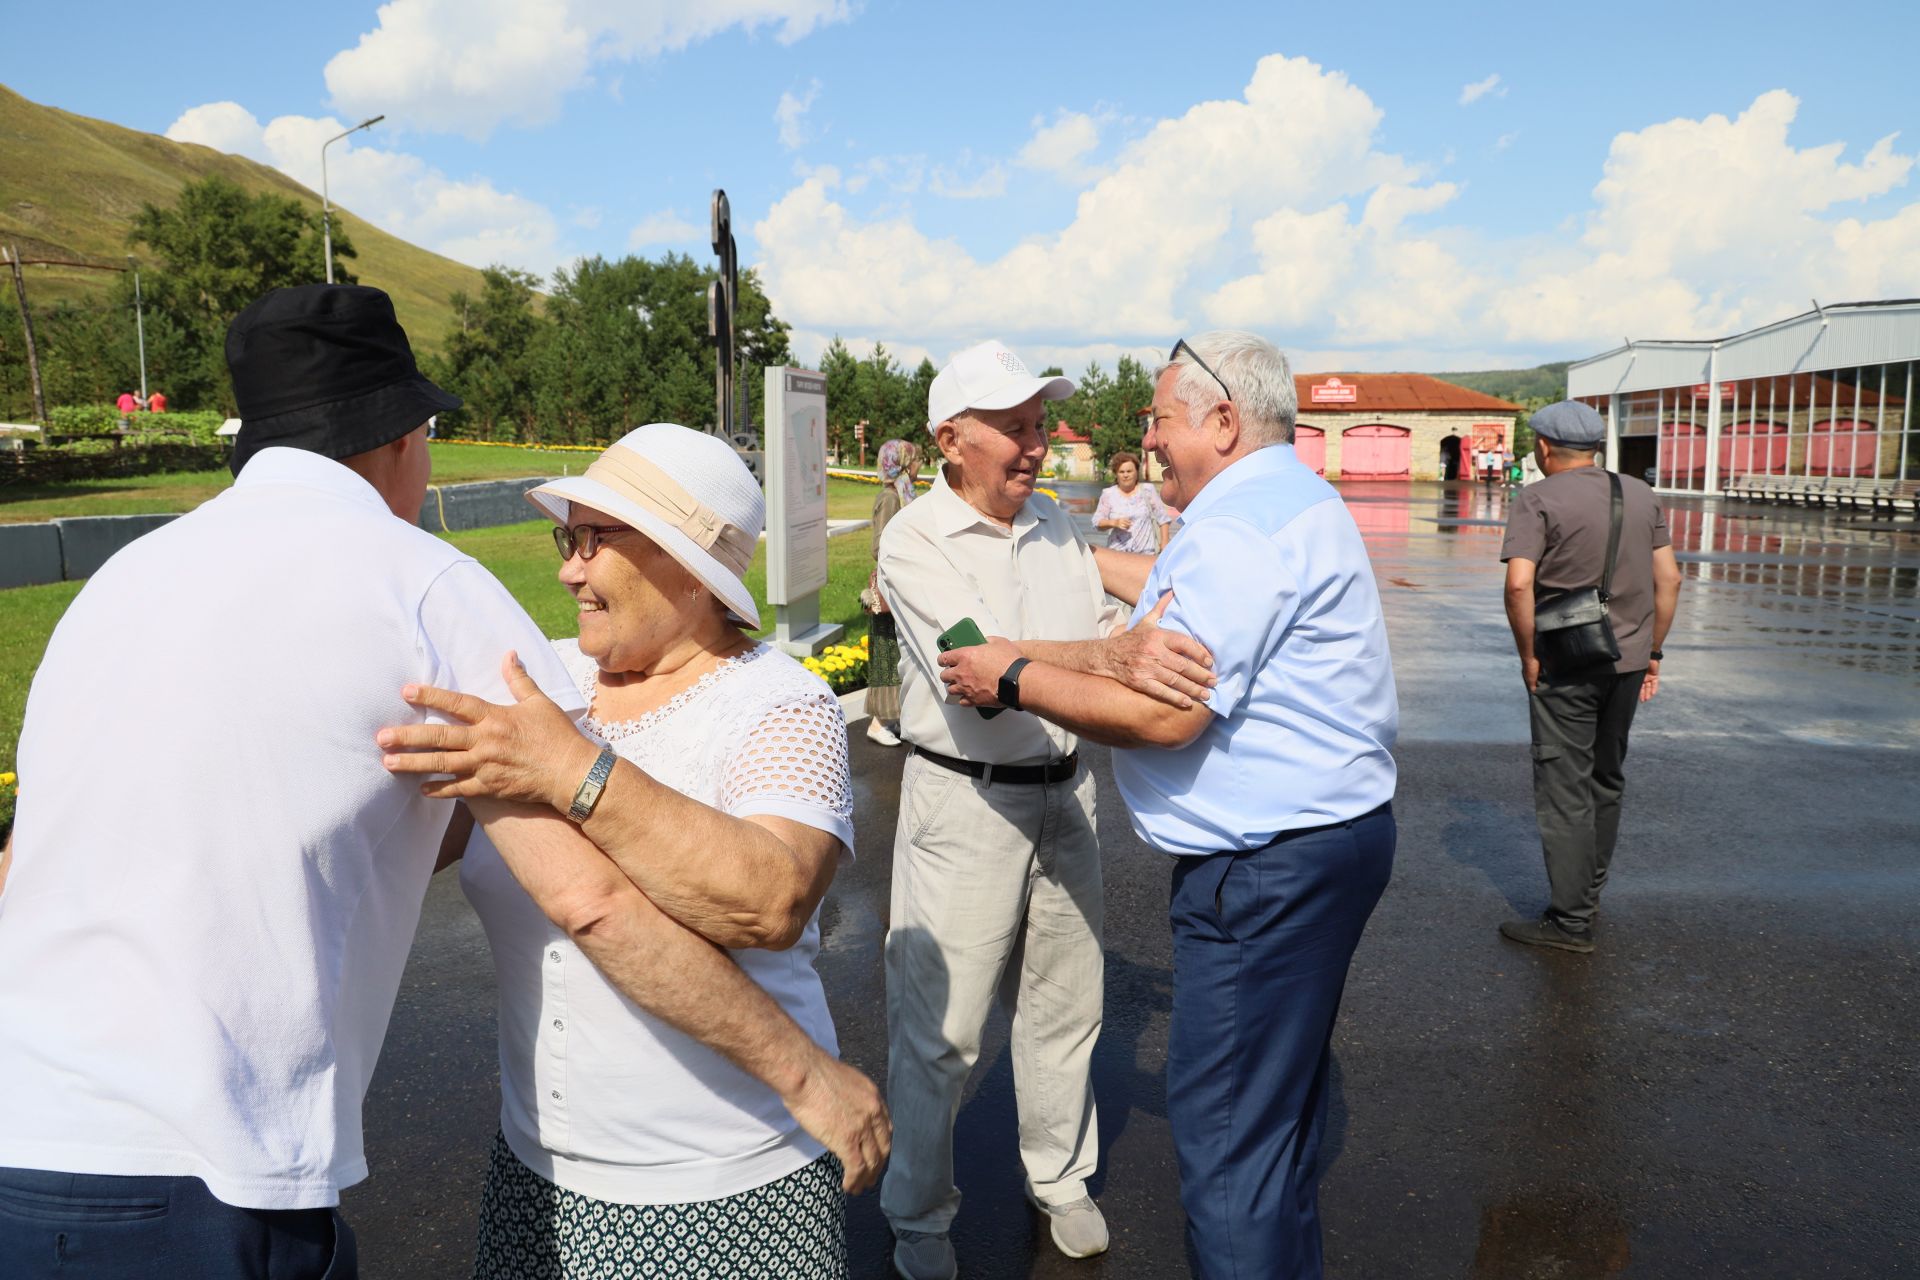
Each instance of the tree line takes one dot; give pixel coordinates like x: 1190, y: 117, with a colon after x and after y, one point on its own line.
x: 600, y: 347
x: 209, y: 255
x: 892, y: 402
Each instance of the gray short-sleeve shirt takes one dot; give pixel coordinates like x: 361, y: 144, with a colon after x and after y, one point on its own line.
x: 1560, y: 523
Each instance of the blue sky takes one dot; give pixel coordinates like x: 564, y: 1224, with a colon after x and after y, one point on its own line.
x: 1410, y: 186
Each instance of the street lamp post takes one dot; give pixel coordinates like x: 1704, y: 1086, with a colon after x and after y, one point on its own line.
x: 326, y: 208
x: 139, y: 326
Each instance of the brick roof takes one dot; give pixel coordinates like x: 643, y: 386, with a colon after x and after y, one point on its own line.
x: 1383, y: 393
x: 1067, y: 435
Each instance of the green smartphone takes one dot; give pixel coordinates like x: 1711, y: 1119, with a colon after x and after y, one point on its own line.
x: 964, y: 634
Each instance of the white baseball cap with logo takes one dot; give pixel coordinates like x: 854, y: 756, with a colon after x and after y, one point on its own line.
x: 987, y: 376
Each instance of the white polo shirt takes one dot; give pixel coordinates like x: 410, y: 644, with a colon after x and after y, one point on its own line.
x: 214, y: 882
x: 940, y: 561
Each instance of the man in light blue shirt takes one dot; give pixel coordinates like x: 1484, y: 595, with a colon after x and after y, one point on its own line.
x: 1273, y: 790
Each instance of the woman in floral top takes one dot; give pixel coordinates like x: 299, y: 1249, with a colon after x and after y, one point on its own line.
x: 1132, y: 510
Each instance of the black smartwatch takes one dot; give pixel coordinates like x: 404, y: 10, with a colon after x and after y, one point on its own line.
x: 1657, y: 656
x: 1009, y: 690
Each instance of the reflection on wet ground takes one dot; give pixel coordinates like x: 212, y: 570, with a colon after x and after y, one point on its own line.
x: 1726, y: 1087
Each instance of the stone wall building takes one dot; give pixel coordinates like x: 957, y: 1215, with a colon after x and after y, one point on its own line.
x: 1396, y: 426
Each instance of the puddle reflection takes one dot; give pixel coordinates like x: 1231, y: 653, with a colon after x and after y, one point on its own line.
x: 1837, y: 586
x: 1546, y: 1236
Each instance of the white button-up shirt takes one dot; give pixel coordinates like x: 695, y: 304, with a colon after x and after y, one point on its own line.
x: 940, y: 561
x: 1270, y: 573
x: 214, y: 882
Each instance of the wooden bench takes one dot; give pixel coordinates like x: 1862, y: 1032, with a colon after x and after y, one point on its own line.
x: 1866, y: 493
x: 1896, y: 495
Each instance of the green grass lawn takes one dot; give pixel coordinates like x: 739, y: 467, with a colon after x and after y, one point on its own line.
x: 452, y: 464
x: 27, y: 618
x: 183, y: 491
x: 520, y: 555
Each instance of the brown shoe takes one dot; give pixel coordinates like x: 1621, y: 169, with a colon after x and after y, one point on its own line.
x: 1545, y: 933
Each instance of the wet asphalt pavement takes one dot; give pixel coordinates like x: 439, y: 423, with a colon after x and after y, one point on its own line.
x: 1728, y: 1086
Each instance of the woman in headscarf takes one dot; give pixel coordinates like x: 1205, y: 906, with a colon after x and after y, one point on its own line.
x: 899, y: 463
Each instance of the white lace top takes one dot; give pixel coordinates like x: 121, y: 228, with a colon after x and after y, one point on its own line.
x: 598, y: 1095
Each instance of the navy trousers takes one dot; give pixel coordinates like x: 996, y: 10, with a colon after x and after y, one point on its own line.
x: 1261, y: 944
x: 79, y: 1226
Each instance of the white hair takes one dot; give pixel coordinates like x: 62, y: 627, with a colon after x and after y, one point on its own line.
x: 1255, y: 374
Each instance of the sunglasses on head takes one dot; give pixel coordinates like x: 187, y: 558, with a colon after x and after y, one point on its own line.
x: 583, y: 540
x: 1174, y: 355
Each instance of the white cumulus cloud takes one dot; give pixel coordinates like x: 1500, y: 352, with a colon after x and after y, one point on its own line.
x: 1061, y: 146
x: 1299, y: 136
x: 471, y: 221
x: 791, y: 115
x: 1280, y: 211
x: 1704, y: 227
x: 666, y: 229
x: 469, y: 66
x: 1471, y: 93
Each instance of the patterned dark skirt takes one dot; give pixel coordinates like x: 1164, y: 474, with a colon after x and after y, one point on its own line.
x: 883, y: 667
x: 794, y: 1228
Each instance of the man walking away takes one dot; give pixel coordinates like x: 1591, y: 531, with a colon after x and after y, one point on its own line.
x: 1556, y: 541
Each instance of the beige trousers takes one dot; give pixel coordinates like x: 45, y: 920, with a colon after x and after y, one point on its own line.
x: 996, y: 892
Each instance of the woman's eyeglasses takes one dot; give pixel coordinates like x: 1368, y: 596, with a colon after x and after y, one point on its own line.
x: 1180, y: 346
x: 583, y: 540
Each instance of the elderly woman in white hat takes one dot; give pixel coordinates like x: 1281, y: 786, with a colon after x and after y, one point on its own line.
x: 716, y: 777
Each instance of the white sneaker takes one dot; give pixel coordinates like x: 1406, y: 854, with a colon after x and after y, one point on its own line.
x: 1079, y: 1229
x: 878, y: 732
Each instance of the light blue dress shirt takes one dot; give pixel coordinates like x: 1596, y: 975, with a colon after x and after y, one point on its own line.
x: 1269, y: 573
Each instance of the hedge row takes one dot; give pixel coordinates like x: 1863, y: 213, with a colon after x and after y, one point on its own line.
x: 104, y: 420
x: 95, y: 460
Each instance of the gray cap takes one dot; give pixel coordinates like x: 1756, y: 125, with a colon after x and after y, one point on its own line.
x: 1571, y: 423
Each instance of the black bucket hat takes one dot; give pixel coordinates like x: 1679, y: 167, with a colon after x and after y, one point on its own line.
x: 326, y: 368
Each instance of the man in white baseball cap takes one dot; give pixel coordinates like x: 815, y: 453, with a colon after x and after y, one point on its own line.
x: 996, y: 862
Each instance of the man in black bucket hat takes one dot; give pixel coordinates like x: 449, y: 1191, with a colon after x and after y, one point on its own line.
x: 213, y: 883
x: 326, y: 368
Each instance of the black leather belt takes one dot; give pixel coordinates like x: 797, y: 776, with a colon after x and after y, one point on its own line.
x: 1026, y: 775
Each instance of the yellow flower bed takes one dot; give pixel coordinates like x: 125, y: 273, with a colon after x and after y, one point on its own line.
x: 9, y: 792
x: 513, y: 444
x: 842, y: 666
x: 861, y: 477
x: 919, y: 482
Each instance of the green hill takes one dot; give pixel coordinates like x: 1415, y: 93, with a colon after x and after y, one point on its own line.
x: 70, y: 186
x: 1545, y: 382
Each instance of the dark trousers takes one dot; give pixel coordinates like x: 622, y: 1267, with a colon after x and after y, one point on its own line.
x: 81, y: 1226
x: 1580, y: 725
x: 1261, y: 944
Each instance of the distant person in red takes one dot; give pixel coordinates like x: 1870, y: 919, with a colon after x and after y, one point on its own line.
x: 127, y: 403
x: 157, y: 403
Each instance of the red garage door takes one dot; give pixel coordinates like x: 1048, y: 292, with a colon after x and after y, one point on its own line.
x: 1311, y: 444
x: 1376, y: 452
x: 1843, y: 448
x: 1754, y: 449
x: 1683, y: 454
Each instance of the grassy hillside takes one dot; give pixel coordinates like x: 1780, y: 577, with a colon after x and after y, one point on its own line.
x: 1546, y: 382
x: 70, y: 185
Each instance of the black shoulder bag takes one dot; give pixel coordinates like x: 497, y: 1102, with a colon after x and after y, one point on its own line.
x: 1571, y: 629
